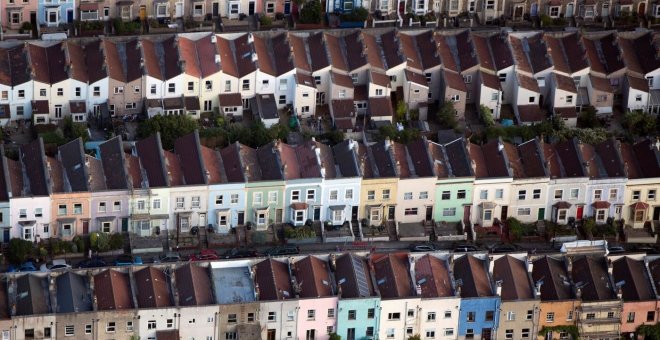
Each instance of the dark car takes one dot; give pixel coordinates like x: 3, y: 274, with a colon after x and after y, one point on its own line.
x: 465, y: 248
x: 415, y: 247
x: 239, y: 253
x: 168, y: 257
x: 205, y: 255
x: 504, y: 248
x: 616, y: 250
x: 94, y: 262
x: 283, y: 250
x: 127, y: 260
x: 25, y: 267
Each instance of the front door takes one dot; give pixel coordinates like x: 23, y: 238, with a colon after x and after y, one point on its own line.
x: 350, y: 334
x: 202, y: 220
x: 641, y: 9
x: 287, y: 7
x: 354, y: 213
x: 467, y: 210
x: 178, y: 10
x: 486, y: 334
x: 216, y: 9
x: 656, y: 213
x: 390, y: 212
x: 69, y: 17
x: 541, y: 216
x: 505, y: 211
x: 578, y: 212
x: 278, y: 215
x: 241, y: 217
x: 33, y: 21
x: 5, y: 235
x: 271, y: 334
x: 85, y: 225
x: 317, y: 213
x: 429, y: 213
x: 251, y: 8
x: 569, y: 10
x: 606, y: 10
x: 534, y: 10
x: 320, y: 98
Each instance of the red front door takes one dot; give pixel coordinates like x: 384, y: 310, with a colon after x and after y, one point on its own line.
x: 578, y: 213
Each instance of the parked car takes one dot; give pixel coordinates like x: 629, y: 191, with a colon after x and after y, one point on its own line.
x: 616, y: 250
x: 504, y: 248
x: 465, y: 248
x: 168, y: 257
x: 283, y: 250
x: 24, y: 267
x: 55, y: 265
x: 127, y: 260
x: 416, y: 247
x: 205, y: 255
x: 94, y: 262
x: 239, y: 253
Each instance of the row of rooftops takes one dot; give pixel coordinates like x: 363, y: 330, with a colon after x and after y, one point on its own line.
x: 514, y: 277
x: 146, y: 164
x: 275, y: 53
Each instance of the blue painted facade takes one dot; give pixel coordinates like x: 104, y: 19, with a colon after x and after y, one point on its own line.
x: 52, y: 13
x: 342, y: 6
x: 480, y: 307
x: 362, y: 320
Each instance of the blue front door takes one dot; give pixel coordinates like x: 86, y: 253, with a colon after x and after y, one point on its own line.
x: 69, y: 17
x: 5, y: 235
x: 287, y: 7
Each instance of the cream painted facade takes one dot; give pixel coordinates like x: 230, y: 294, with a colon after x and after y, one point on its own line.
x: 414, y: 196
x: 491, y: 198
x: 529, y: 199
x: 378, y: 199
x: 644, y: 190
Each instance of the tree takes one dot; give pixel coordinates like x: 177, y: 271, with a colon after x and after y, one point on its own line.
x: 446, y: 115
x: 73, y: 130
x: 401, y: 110
x: 311, y: 12
x: 99, y: 241
x: 170, y: 128
x: 335, y: 336
x: 486, y: 116
x: 588, y: 118
x: 639, y: 123
x: 649, y: 331
x: 415, y: 337
x: 516, y: 229
x: 19, y: 250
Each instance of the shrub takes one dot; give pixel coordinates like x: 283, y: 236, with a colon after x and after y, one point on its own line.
x: 486, y: 116
x: 299, y: 232
x: 311, y: 12
x: 116, y: 241
x: 546, y: 20
x: 515, y: 228
x: 358, y: 14
x: 639, y: 123
x: 19, y: 250
x: 279, y: 16
x: 446, y: 115
x: 265, y: 20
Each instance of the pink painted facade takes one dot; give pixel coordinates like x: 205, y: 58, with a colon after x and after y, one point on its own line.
x: 262, y: 6
x: 16, y: 12
x: 319, y: 323
x: 641, y: 310
x: 70, y: 214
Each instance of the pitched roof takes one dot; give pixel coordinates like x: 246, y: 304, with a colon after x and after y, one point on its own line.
x: 554, y: 279
x: 193, y: 285
x: 174, y: 169
x: 5, y: 178
x: 566, y: 52
x: 489, y: 160
x: 381, y: 49
x: 530, y: 53
x: 602, y: 53
x: 274, y: 53
x: 189, y: 151
x: 419, y: 49
x: 352, y: 275
x: 308, y: 51
x: 636, y: 283
x: 313, y: 276
x: 161, y: 58
x: 564, y: 83
x: 123, y: 59
x: 648, y: 157
x: 571, y: 158
x: 346, y: 159
x: 654, y: 268
x: 34, y: 166
x: 114, y: 164
x: 420, y: 158
x: 590, y: 273
x: 48, y: 63
x: 75, y: 61
x: 72, y: 293
x: 112, y: 290
x: 458, y: 158
x: 382, y: 161
x: 532, y: 159
x: 454, y: 80
x: 152, y: 160
x: 197, y: 53
x: 308, y: 162
x: 287, y: 154
x: 32, y: 296
x: 72, y: 156
x: 515, y: 281
x: 273, y: 280
x: 528, y: 83
x: 610, y: 158
x: 472, y: 272
x: 14, y: 68
x: 432, y: 276
x: 638, y: 83
x: 392, y: 275
x: 233, y: 168
x: 639, y: 52
x: 345, y: 50
x: 152, y: 288
x: 236, y: 55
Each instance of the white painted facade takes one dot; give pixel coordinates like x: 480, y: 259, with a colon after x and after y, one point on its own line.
x: 304, y: 96
x: 14, y: 100
x: 561, y: 98
x: 340, y: 192
x: 570, y: 190
x: 30, y: 217
x: 153, y: 202
x: 188, y: 207
x: 392, y: 327
x: 611, y: 190
x: 491, y: 98
x: 102, y: 86
x: 509, y: 84
x: 635, y: 99
x: 280, y: 316
x: 523, y: 96
x: 490, y: 190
